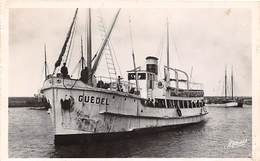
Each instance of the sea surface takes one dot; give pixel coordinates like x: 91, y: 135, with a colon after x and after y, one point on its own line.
x: 226, y: 133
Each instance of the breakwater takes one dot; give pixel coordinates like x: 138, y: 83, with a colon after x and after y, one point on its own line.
x: 216, y: 99
x: 26, y: 102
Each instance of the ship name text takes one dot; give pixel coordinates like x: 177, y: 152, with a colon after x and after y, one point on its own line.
x: 93, y: 99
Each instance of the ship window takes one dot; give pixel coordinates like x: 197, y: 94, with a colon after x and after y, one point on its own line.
x: 176, y: 103
x: 141, y: 76
x: 160, y: 103
x: 193, y: 104
x: 181, y: 103
x: 190, y: 105
x: 198, y: 103
x: 170, y: 104
x: 152, y: 68
x: 185, y: 104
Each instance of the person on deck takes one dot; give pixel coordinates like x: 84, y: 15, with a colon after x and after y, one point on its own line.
x: 119, y: 85
x: 64, y: 71
x: 84, y: 75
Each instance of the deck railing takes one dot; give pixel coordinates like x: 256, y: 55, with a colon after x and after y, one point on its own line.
x: 116, y: 84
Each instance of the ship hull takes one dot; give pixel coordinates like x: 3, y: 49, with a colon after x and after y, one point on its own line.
x: 100, y: 137
x: 82, y: 112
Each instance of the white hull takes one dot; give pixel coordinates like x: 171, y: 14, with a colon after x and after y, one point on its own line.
x: 96, y: 110
x: 228, y: 104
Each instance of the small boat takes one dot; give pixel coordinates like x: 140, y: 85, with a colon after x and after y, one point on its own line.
x: 101, y: 107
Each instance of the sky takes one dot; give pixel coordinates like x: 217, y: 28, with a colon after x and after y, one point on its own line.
x: 204, y: 40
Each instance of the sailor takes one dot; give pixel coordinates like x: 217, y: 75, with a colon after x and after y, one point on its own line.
x: 84, y: 75
x: 100, y: 84
x: 64, y: 71
x: 119, y: 85
x: 148, y: 102
x: 132, y: 90
x: 152, y: 103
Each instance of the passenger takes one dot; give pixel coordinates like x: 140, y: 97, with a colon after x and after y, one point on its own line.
x: 119, y: 85
x: 100, y: 84
x: 163, y: 103
x: 156, y: 103
x: 132, y: 90
x: 148, y: 102
x: 84, y: 75
x: 152, y: 103
x: 64, y: 71
x: 106, y: 85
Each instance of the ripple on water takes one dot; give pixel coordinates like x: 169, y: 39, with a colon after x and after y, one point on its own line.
x: 31, y: 135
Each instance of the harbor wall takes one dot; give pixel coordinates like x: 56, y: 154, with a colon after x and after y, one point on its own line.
x: 25, y: 102
x: 215, y: 99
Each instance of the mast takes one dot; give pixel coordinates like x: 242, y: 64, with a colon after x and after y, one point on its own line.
x: 89, y: 47
x: 58, y: 62
x: 168, y: 55
x: 82, y: 57
x: 225, y: 83
x: 45, y: 62
x: 191, y: 73
x: 133, y: 56
x: 232, y: 84
x: 136, y: 74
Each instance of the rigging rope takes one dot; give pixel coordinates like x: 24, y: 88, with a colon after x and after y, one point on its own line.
x: 71, y: 41
x: 114, y: 54
x: 175, y: 44
x: 75, y: 68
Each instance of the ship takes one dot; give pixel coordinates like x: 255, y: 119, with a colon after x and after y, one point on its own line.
x: 228, y: 101
x: 83, y: 109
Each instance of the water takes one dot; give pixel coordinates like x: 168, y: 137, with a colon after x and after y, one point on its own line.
x: 227, y: 133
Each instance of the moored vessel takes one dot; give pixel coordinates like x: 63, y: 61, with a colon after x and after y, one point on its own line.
x: 94, y: 105
x: 228, y: 101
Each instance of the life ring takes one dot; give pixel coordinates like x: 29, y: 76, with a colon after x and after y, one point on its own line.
x: 160, y: 85
x: 179, y: 112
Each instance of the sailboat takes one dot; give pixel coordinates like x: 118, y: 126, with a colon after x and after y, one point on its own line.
x: 227, y: 101
x: 84, y: 109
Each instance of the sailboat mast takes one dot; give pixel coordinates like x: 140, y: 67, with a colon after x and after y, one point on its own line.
x: 82, y: 57
x: 89, y: 47
x: 168, y: 55
x: 45, y: 62
x: 232, y: 83
x: 225, y: 83
x: 133, y: 55
x: 63, y: 50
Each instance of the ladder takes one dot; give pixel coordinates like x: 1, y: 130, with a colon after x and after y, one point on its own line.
x: 149, y: 93
x: 107, y: 50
